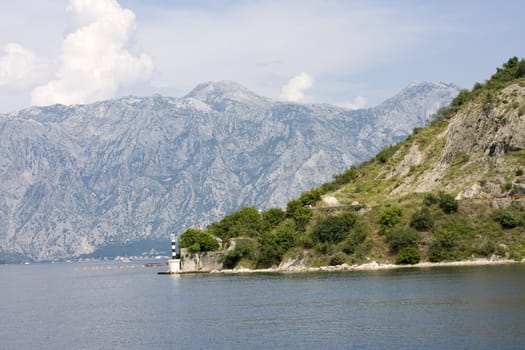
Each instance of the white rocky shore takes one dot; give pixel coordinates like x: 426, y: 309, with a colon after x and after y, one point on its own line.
x: 372, y: 266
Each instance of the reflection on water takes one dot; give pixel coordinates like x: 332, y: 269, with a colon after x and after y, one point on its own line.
x: 60, y: 306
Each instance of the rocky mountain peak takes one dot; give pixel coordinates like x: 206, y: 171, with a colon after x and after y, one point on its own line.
x: 418, y: 89
x: 222, y: 93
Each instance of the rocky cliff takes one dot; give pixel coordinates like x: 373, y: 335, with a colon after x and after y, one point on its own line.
x: 77, y: 179
x: 476, y: 155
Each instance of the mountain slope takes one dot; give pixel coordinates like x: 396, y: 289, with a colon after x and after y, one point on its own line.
x: 454, y: 190
x: 475, y: 152
x: 75, y: 179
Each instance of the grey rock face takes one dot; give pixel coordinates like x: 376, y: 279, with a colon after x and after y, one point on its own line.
x: 480, y: 154
x: 74, y: 179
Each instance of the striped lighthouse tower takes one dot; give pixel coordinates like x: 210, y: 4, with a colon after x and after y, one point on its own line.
x: 174, y: 264
x: 174, y: 246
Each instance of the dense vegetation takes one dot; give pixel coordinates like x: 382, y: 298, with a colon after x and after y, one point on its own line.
x: 198, y: 241
x: 404, y: 229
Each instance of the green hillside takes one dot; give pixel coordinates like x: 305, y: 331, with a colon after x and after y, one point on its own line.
x: 453, y: 190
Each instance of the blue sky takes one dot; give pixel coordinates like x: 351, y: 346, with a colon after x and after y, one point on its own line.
x: 349, y: 53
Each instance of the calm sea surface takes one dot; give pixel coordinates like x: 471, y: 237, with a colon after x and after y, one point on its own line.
x: 127, y: 306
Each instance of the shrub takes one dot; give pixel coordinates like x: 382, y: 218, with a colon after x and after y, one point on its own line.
x: 446, y: 242
x: 346, y: 177
x: 402, y: 238
x: 446, y: 238
x: 477, y: 86
x: 340, y: 179
x: 505, y: 219
x: 519, y: 172
x: 430, y: 199
x: 487, y: 249
x: 460, y: 158
x: 337, y: 259
x: 447, y: 203
x: 520, y: 71
x: 461, y: 99
x: 437, y: 254
x: 387, y: 152
x: 334, y: 229
x: 422, y: 220
x: 307, y: 242
x: 441, y: 114
x: 512, y: 69
x: 408, y: 255
x: 310, y: 197
x: 507, y: 186
x: 324, y: 248
x: 354, y: 240
x: 390, y: 217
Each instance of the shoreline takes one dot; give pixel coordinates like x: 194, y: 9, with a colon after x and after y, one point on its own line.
x: 372, y: 266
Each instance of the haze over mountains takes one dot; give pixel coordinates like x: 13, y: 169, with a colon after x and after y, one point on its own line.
x: 74, y: 179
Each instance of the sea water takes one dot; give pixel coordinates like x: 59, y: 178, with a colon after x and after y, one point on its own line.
x: 128, y: 306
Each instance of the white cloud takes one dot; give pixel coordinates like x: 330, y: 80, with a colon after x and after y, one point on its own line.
x: 357, y: 103
x: 20, y: 67
x: 94, y: 60
x: 294, y: 90
x: 262, y: 43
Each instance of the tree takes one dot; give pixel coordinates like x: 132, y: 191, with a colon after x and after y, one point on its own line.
x: 270, y: 252
x: 243, y: 248
x: 244, y: 222
x: 272, y: 217
x: 299, y: 212
x: 286, y: 235
x: 408, y: 255
x: 198, y: 241
x: 273, y: 245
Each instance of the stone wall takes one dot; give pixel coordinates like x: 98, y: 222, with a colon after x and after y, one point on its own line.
x: 201, y: 262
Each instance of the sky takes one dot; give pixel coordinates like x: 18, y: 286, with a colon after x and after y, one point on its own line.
x: 353, y: 54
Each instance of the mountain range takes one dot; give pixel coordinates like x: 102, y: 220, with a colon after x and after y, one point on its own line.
x: 123, y: 174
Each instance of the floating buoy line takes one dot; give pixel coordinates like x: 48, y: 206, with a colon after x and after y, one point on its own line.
x: 112, y: 267
x: 108, y: 267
